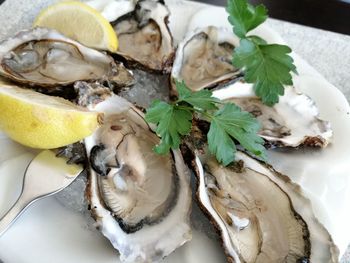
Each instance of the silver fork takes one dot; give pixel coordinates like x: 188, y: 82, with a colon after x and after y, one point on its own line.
x: 45, y: 175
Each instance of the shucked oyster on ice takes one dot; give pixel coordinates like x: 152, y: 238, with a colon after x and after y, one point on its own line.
x: 204, y: 58
x: 293, y: 121
x: 44, y: 57
x: 262, y: 216
x: 140, y: 200
x: 144, y: 36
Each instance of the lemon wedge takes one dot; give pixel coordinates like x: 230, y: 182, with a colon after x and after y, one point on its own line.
x: 44, y: 122
x: 80, y: 22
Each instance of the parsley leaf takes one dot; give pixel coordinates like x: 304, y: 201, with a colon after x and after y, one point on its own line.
x: 201, y: 99
x: 245, y: 17
x: 172, y: 122
x: 231, y: 123
x: 267, y: 66
x: 227, y: 124
x: 220, y: 143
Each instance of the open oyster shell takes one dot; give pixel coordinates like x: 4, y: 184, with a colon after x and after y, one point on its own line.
x: 204, y: 58
x: 294, y: 121
x: 144, y: 37
x: 262, y: 216
x: 44, y: 57
x: 140, y: 200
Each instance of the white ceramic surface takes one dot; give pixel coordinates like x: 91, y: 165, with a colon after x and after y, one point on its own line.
x: 49, y: 232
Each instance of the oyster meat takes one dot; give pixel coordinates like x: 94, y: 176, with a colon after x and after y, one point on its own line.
x: 292, y: 122
x: 44, y: 57
x: 144, y: 37
x: 204, y: 58
x: 262, y: 216
x: 140, y: 200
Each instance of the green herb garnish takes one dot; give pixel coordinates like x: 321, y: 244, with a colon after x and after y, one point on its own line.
x: 268, y: 66
x: 227, y: 124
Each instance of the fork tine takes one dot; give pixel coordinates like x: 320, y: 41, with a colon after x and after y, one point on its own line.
x: 45, y: 175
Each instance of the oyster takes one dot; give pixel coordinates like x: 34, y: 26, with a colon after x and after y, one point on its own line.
x: 144, y: 36
x: 293, y: 122
x: 140, y: 200
x: 44, y: 57
x: 90, y: 94
x: 261, y: 214
x: 204, y: 58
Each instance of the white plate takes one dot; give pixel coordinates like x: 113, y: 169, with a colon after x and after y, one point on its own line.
x: 50, y: 232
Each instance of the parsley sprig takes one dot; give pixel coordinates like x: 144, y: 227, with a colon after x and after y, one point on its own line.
x: 267, y: 66
x: 227, y: 123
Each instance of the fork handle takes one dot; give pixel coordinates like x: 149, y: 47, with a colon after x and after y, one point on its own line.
x: 16, y: 210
